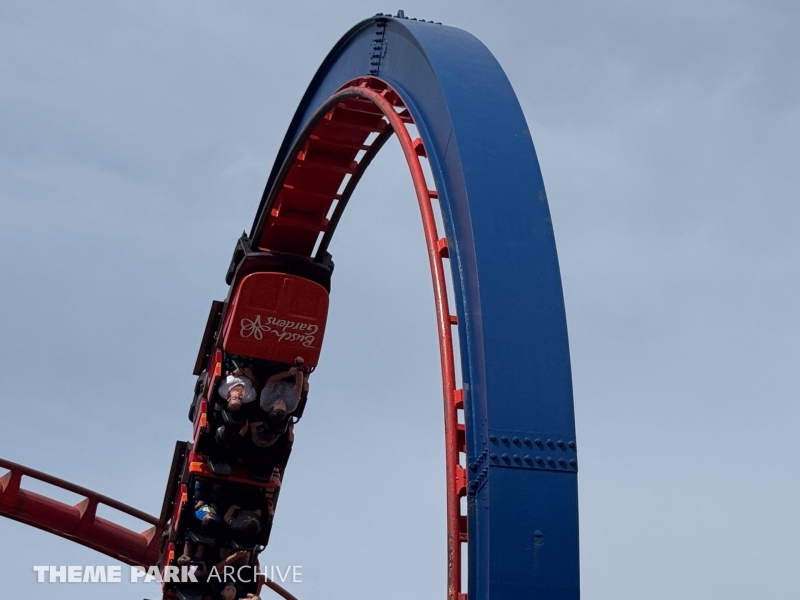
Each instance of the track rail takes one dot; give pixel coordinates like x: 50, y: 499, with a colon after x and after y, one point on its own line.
x: 80, y: 522
x: 331, y: 154
x: 295, y: 222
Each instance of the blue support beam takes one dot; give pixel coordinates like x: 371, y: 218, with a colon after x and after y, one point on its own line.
x: 523, y: 498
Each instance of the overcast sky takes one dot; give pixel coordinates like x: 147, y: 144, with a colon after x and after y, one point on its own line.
x: 135, y: 141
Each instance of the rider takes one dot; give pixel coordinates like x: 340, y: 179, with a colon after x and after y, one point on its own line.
x: 245, y: 525
x: 239, y: 391
x: 279, y: 399
x: 238, y: 388
x: 227, y: 585
x: 206, y: 498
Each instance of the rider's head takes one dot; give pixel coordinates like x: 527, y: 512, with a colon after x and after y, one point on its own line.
x: 277, y: 411
x: 229, y: 592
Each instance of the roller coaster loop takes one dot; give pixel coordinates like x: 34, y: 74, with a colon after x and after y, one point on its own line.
x: 511, y: 453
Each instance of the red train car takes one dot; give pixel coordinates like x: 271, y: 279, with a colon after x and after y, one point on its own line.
x: 225, y: 483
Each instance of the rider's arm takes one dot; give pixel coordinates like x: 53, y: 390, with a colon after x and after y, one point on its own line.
x: 278, y: 376
x: 229, y: 514
x: 225, y: 562
x: 298, y: 381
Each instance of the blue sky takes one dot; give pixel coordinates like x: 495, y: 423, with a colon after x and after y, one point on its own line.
x: 135, y: 141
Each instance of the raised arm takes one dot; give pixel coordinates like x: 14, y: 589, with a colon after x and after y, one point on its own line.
x: 229, y: 514
x: 301, y: 377
x: 298, y: 379
x: 278, y: 376
x: 231, y: 560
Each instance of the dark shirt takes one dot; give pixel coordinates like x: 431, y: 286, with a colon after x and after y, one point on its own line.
x: 239, y: 523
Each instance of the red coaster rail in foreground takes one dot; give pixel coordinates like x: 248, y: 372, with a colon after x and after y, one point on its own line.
x: 80, y: 522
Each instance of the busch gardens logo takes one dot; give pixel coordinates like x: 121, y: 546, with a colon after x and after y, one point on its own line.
x: 282, y: 329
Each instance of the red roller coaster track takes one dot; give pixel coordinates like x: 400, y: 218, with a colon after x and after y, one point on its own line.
x: 297, y: 215
x: 511, y: 453
x: 293, y: 222
x: 79, y: 522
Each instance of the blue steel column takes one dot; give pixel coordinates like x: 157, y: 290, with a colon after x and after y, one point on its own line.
x: 523, y: 498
